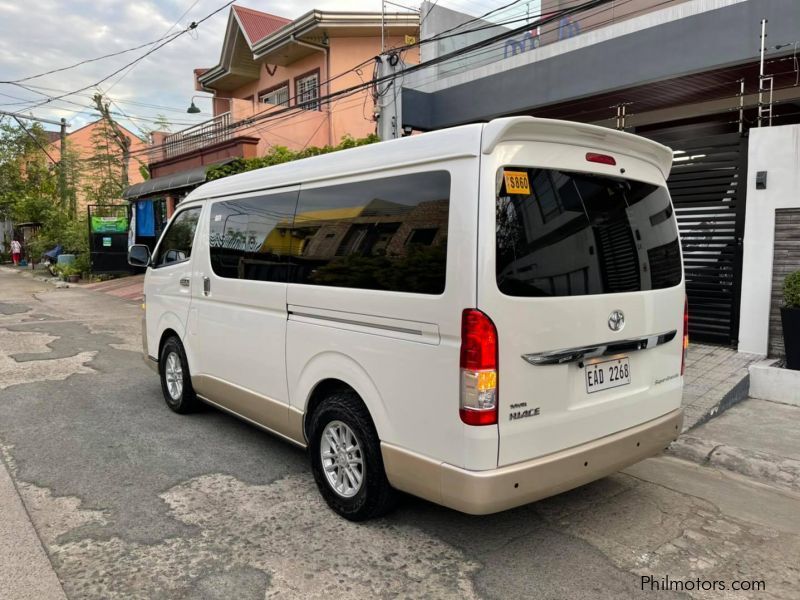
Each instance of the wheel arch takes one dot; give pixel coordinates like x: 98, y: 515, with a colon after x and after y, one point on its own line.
x: 330, y: 372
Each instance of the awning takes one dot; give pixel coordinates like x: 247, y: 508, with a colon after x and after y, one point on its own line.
x: 184, y: 179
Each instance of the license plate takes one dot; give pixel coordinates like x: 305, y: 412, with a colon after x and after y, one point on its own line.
x: 607, y: 374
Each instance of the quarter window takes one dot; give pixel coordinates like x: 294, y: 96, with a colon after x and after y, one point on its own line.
x: 176, y: 245
x: 251, y: 238
x: 384, y: 234
x: 307, y: 92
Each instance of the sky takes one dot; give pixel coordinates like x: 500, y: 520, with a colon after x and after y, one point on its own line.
x: 40, y: 35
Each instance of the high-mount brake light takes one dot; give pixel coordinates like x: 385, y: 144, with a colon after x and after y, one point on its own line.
x: 479, y: 352
x: 603, y: 159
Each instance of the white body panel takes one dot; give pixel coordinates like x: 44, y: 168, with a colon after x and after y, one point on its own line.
x: 401, y: 348
x: 239, y: 326
x: 400, y: 351
x: 568, y: 415
x: 169, y: 287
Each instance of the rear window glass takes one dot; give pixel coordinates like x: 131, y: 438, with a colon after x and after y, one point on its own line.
x: 561, y: 233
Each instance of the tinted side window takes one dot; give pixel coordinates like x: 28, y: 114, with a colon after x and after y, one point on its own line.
x: 250, y: 238
x: 176, y: 245
x: 383, y: 234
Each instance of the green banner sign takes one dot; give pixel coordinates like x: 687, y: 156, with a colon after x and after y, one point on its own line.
x: 109, y: 224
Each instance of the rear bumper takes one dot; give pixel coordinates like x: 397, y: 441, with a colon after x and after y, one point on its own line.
x: 485, y: 492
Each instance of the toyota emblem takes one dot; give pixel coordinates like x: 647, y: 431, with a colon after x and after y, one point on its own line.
x: 616, y: 320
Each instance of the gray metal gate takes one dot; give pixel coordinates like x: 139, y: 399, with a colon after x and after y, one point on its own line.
x: 708, y: 188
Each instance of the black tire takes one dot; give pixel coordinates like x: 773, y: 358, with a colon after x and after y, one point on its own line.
x: 186, y: 400
x: 375, y: 496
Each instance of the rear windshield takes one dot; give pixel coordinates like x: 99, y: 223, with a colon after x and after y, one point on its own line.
x: 561, y: 233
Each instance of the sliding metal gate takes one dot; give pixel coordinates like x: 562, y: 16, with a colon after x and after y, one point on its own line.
x: 708, y: 188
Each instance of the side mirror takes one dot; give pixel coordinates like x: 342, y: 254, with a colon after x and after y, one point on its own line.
x: 139, y: 255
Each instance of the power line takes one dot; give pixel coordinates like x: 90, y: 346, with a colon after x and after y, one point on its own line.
x: 34, y: 138
x: 542, y: 32
x: 82, y: 62
x: 177, y: 21
x: 33, y: 89
x: 276, y: 111
x: 160, y: 45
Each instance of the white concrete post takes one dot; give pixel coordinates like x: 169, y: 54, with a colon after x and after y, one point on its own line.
x: 775, y: 150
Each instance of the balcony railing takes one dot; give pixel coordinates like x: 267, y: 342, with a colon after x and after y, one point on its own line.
x: 199, y: 136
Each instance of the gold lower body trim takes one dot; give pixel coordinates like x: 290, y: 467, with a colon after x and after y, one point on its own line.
x: 486, y: 492
x: 266, y: 413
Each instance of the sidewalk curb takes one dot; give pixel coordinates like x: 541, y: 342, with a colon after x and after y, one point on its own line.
x: 26, y: 572
x: 37, y: 277
x: 767, y: 468
x: 736, y: 394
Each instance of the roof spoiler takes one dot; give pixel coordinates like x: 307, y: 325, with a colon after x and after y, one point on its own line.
x: 518, y: 129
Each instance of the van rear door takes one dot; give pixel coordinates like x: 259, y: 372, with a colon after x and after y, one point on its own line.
x: 580, y: 270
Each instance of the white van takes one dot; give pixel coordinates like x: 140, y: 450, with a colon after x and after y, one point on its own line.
x: 481, y: 316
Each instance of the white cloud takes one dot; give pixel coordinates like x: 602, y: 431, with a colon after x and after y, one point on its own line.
x: 56, y: 33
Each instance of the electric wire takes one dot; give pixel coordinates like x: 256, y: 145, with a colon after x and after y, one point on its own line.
x: 153, y: 49
x: 277, y: 110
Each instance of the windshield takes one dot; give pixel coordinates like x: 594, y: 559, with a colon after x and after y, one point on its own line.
x: 561, y: 233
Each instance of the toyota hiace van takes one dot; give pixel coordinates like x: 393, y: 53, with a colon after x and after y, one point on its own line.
x: 481, y: 316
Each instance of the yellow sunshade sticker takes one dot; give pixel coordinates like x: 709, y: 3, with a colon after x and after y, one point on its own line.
x: 517, y: 182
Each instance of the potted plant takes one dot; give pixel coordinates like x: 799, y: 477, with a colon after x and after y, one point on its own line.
x: 790, y: 319
x: 69, y: 273
x: 73, y: 274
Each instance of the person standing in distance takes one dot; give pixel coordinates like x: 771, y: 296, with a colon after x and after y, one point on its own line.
x: 16, y: 251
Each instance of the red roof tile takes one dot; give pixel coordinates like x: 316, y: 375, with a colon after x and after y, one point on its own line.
x: 258, y: 25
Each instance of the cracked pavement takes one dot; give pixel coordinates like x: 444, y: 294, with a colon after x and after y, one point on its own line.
x: 130, y: 500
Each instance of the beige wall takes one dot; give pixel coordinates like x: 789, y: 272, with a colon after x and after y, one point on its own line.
x: 81, y: 142
x: 351, y: 115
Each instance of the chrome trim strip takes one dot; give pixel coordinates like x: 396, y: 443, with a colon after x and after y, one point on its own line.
x: 557, y: 357
x: 359, y: 323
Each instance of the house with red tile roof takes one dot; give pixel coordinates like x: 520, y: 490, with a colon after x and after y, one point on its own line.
x: 271, y: 88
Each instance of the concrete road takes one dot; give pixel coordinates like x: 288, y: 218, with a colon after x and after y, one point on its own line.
x: 132, y: 501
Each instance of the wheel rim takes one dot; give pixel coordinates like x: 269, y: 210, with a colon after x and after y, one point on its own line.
x: 342, y: 459
x: 173, y: 373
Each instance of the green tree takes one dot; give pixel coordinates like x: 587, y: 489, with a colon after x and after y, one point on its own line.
x: 29, y: 189
x: 28, y: 179
x: 282, y: 154
x: 102, y: 178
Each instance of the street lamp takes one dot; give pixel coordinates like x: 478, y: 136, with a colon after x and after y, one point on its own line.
x: 193, y: 110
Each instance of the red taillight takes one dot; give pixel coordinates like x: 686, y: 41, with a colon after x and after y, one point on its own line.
x: 685, y: 334
x: 478, y: 369
x: 478, y: 341
x: 603, y: 159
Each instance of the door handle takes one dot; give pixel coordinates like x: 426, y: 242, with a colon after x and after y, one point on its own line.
x: 206, y: 286
x: 185, y: 282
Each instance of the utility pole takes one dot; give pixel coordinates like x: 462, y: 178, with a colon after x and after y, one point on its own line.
x: 383, y: 26
x: 62, y: 165
x: 122, y: 140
